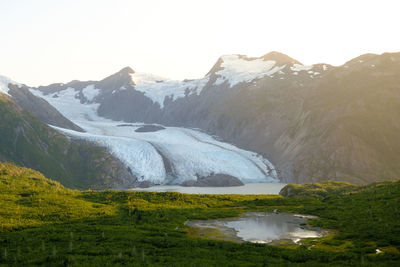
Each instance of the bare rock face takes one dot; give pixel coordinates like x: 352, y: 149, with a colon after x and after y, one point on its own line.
x: 214, y: 180
x: 341, y: 124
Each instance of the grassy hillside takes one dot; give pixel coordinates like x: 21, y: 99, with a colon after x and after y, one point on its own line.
x: 29, y: 199
x: 29, y: 142
x: 44, y: 223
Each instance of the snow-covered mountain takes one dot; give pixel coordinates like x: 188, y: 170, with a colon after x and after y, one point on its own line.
x: 139, y: 97
x: 304, y: 119
x: 241, y: 69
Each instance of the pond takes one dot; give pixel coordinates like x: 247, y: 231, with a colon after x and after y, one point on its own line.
x: 258, y: 227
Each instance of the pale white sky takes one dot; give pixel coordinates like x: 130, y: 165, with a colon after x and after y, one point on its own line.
x: 46, y: 41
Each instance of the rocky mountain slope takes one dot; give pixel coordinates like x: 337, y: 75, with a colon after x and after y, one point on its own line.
x: 39, y: 107
x: 313, y: 123
x: 27, y: 141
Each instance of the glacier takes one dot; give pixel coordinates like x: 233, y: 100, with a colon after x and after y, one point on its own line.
x: 169, y: 156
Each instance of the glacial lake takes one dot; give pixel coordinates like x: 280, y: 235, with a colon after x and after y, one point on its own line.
x: 247, y: 189
x: 258, y: 227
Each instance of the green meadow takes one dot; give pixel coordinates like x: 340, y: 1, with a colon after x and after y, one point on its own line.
x: 43, y: 223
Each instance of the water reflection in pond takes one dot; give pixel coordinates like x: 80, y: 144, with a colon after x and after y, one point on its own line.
x: 259, y: 227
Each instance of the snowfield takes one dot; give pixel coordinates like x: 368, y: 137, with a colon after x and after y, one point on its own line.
x: 298, y: 67
x: 238, y: 69
x: 158, y: 88
x: 169, y: 156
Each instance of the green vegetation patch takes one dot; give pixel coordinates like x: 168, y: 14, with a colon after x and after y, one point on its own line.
x: 317, y: 190
x: 44, y: 223
x: 29, y: 199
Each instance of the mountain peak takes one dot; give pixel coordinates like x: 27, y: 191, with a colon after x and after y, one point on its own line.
x: 126, y: 70
x: 280, y: 58
x: 119, y: 78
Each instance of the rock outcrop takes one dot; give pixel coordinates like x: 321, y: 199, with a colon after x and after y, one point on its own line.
x: 214, y: 180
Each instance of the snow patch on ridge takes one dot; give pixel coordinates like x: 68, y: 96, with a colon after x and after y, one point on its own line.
x: 298, y: 67
x: 4, y: 82
x: 142, y: 78
x: 237, y: 69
